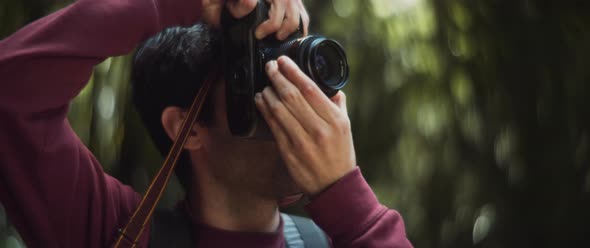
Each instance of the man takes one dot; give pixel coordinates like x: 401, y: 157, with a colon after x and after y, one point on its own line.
x: 56, y: 193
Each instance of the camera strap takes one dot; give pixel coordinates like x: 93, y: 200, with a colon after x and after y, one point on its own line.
x: 129, y: 235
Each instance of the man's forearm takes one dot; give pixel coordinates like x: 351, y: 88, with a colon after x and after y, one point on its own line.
x: 45, y: 64
x: 53, y: 189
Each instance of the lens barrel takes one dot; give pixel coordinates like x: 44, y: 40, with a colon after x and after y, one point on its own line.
x: 322, y: 59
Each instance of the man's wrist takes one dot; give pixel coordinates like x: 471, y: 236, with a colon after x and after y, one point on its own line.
x: 325, y: 188
x: 345, y: 206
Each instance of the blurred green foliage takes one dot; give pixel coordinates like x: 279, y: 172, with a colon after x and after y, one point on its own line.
x: 471, y: 118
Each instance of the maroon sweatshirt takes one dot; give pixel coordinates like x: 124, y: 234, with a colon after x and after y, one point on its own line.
x: 51, y: 185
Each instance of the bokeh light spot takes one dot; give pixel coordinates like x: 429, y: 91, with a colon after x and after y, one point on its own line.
x: 387, y: 8
x: 106, y: 102
x: 483, y: 224
x: 343, y: 8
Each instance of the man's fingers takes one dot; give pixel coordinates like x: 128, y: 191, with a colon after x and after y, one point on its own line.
x: 275, y: 108
x: 294, y: 101
x: 304, y: 17
x: 276, y: 15
x: 340, y: 100
x: 322, y: 105
x: 291, y: 21
x: 285, y: 16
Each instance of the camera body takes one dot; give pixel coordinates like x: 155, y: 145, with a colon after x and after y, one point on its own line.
x: 322, y: 59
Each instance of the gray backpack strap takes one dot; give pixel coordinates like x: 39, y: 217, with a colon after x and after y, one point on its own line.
x: 302, y: 232
x: 291, y: 233
x: 170, y: 228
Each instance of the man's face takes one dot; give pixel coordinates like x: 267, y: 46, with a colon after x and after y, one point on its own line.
x: 248, y: 165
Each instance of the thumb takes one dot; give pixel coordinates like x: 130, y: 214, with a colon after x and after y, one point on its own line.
x: 241, y: 8
x: 340, y: 100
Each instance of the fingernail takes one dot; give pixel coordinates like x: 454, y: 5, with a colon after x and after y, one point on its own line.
x: 258, y: 96
x: 281, y: 60
x: 271, y: 64
x: 259, y: 34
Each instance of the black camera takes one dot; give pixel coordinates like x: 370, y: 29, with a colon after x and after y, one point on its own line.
x: 322, y: 59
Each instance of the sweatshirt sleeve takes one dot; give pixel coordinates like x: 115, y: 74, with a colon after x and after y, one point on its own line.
x: 351, y: 216
x: 53, y: 189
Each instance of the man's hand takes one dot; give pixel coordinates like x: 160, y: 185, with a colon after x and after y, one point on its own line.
x: 312, y: 131
x: 283, y: 19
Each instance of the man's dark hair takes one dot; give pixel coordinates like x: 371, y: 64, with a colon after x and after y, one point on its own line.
x: 168, y: 70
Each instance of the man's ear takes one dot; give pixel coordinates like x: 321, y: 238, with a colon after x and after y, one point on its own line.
x: 172, y: 118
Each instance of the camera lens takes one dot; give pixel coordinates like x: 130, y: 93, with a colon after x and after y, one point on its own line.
x: 329, y: 65
x: 321, y: 67
x: 323, y: 60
